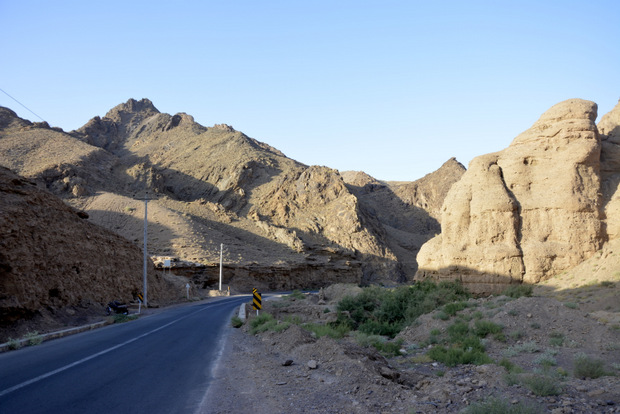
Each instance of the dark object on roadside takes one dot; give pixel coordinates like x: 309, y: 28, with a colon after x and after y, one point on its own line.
x: 116, y: 307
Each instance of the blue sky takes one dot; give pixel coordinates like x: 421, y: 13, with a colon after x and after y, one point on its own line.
x: 392, y: 88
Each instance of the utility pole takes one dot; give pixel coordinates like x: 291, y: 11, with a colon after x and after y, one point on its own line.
x: 146, y: 201
x: 221, y: 255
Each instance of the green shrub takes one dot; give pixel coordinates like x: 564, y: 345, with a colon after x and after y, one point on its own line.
x: 333, y: 330
x: 516, y: 291
x: 457, y: 331
x: 516, y: 335
x: 382, y: 311
x: 296, y: 295
x: 495, y: 405
x: 483, y: 328
x: 541, y: 385
x: 262, y: 323
x: 236, y: 322
x: 456, y: 355
x: 388, y: 348
x: 14, y: 343
x: 526, y: 347
x: 280, y: 326
x: 587, y: 367
x: 509, y: 366
x: 454, y: 307
x: 571, y: 305
x: 33, y: 338
x: 546, y: 360
x: 442, y: 315
x: 556, y: 339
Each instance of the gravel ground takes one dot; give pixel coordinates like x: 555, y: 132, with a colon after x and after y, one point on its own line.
x: 294, y: 372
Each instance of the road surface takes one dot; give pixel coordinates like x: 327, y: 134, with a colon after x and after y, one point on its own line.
x: 156, y: 364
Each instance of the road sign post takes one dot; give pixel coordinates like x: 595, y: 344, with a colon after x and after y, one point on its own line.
x: 256, y: 300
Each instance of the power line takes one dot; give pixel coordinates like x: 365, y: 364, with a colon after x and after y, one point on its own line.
x: 23, y: 105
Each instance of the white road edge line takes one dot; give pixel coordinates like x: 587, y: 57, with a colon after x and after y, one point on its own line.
x: 105, y: 351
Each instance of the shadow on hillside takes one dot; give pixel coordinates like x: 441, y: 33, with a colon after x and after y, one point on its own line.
x: 404, y: 228
x: 132, y: 176
x: 590, y: 297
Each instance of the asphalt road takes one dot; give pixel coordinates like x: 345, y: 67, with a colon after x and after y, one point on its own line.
x: 157, y: 364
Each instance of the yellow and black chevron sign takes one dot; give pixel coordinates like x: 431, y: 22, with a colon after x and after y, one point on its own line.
x: 256, y: 300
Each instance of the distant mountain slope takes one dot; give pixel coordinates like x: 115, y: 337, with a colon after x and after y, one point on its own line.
x: 216, y: 185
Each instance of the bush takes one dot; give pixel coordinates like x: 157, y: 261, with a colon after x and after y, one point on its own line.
x: 482, y: 328
x: 33, y: 338
x: 378, y: 311
x: 516, y: 291
x: 14, y: 343
x: 587, y: 367
x: 456, y: 355
x: 262, y: 323
x: 454, y: 307
x: 333, y: 330
x: 546, y: 360
x: 509, y: 366
x: 296, y: 295
x: 541, y: 385
x: 556, y: 339
x: 236, y: 322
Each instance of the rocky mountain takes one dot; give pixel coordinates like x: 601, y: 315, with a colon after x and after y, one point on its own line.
x: 407, y: 211
x: 535, y: 209
x: 283, y: 224
x: 57, y: 265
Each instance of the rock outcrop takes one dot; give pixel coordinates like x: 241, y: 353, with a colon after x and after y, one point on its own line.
x: 525, y: 213
x: 609, y: 128
x: 54, y: 261
x: 430, y: 191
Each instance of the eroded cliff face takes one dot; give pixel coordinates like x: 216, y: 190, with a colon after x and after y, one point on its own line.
x: 609, y: 129
x: 525, y: 213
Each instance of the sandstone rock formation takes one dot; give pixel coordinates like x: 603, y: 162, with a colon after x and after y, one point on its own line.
x: 609, y: 128
x: 525, y: 213
x: 53, y: 261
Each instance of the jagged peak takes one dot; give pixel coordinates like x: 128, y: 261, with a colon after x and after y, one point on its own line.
x: 133, y: 106
x: 224, y: 127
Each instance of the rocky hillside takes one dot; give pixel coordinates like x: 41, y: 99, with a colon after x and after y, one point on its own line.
x: 408, y: 211
x: 283, y: 224
x: 56, y: 265
x: 536, y: 209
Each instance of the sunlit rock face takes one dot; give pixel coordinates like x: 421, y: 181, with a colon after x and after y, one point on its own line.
x: 525, y: 213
